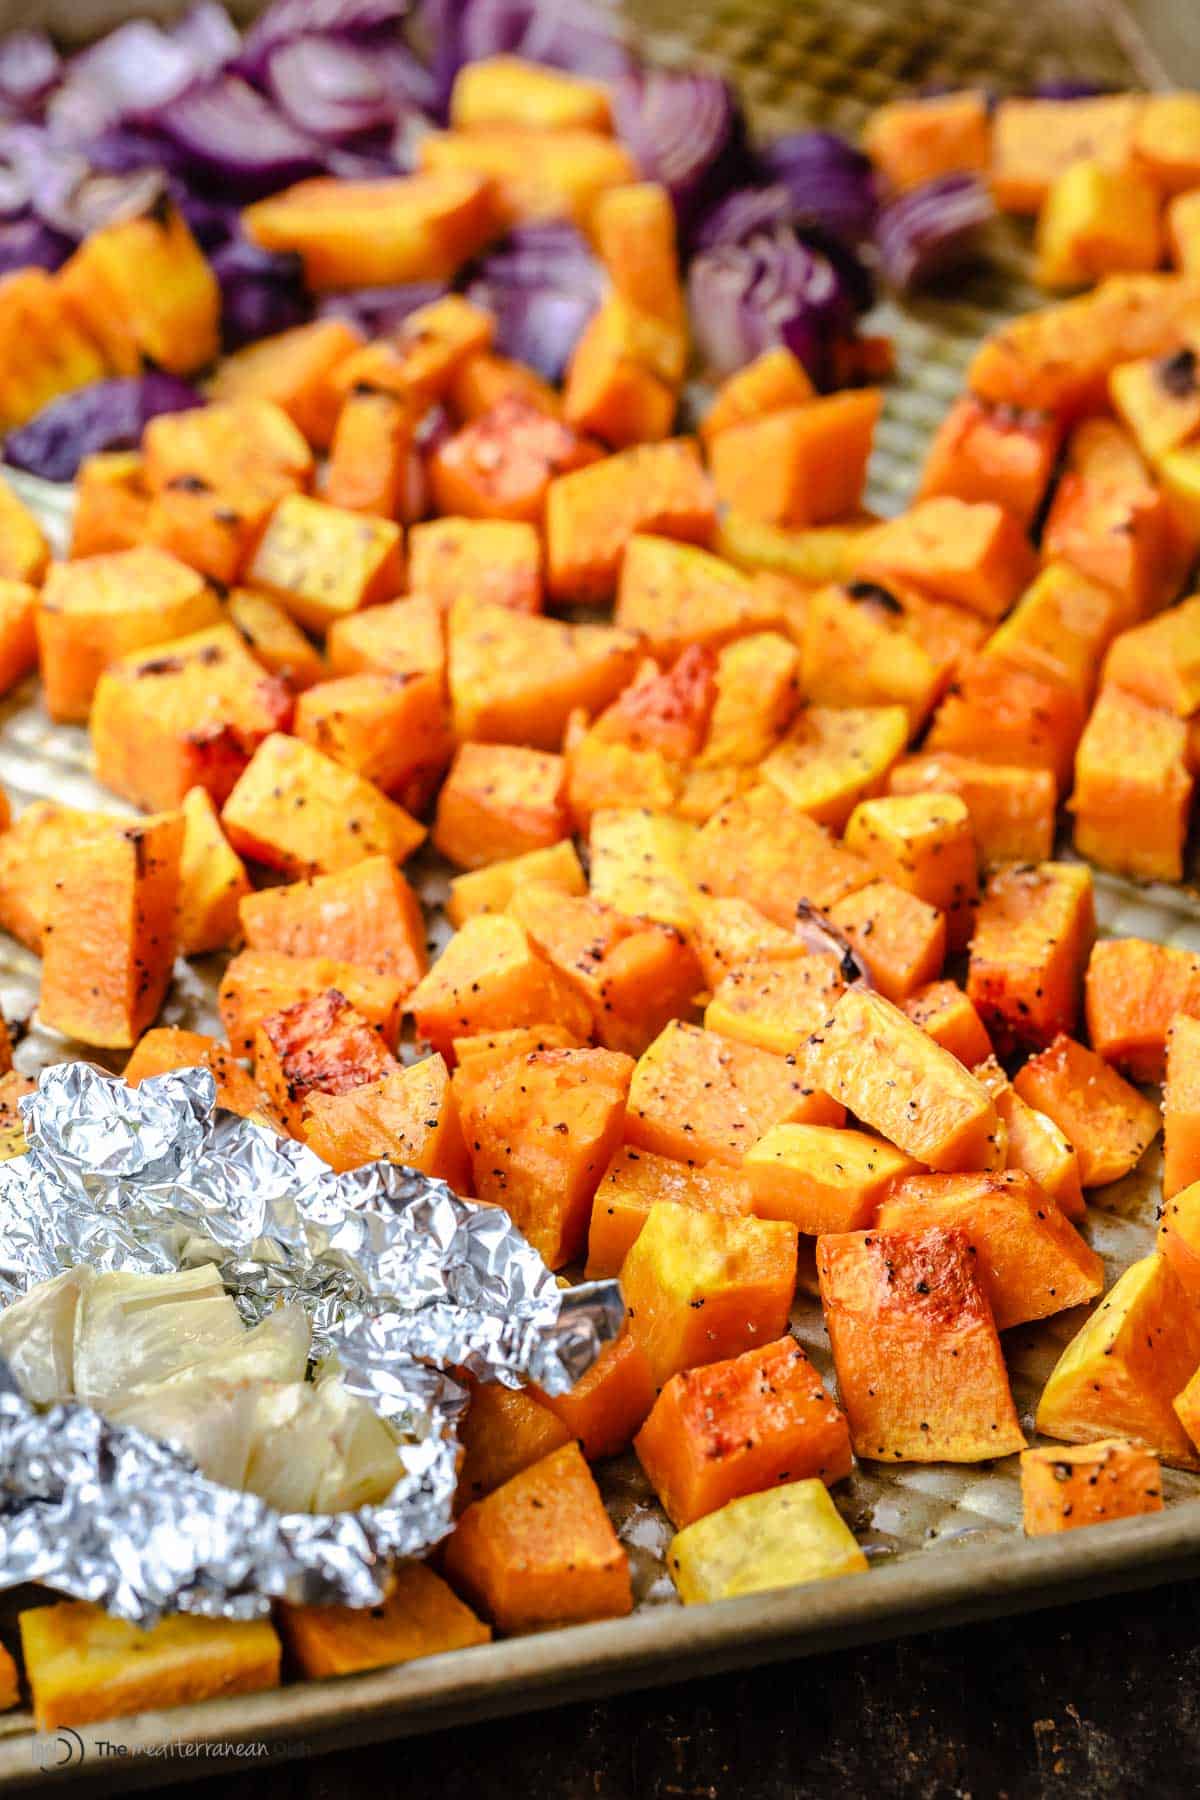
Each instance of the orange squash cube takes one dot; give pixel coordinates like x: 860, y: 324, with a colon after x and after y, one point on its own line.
x: 1058, y: 629
x: 25, y: 555
x: 405, y: 637
x: 591, y: 514
x: 763, y: 849
x: 247, y: 445
x: 1122, y: 1371
x: 948, y: 1016
x: 1008, y: 716
x: 18, y: 634
x: 773, y: 380
x: 1134, y: 989
x: 609, y: 1402
x: 1034, y: 140
x: 491, y: 1049
x: 833, y: 757
x: 408, y: 1117
x: 393, y: 730
x: 727, y: 932
x: 1109, y: 1123
x: 503, y: 1431
x: 992, y: 454
x: 610, y: 392
x: 165, y: 1049
x: 1183, y: 232
x: 485, y: 379
x: 417, y: 361
x: 974, y: 554
x: 1133, y: 789
x: 667, y: 711
x: 1178, y: 1237
x: 740, y: 1426
x: 322, y: 562
x: 274, y: 640
x: 499, y: 560
x: 1012, y: 809
x: 111, y: 503
x: 369, y: 456
x: 295, y: 370
x: 316, y: 1046
x: 900, y: 939
x: 640, y: 864
x: 491, y: 889
x: 1035, y: 1146
x: 31, y: 852
x: 503, y: 463
x: 1159, y: 662
x: 775, y: 998
x: 366, y: 914
x: 1096, y: 221
x: 1030, y: 1259
x: 1181, y: 1106
x: 919, y: 1366
x: 1033, y: 934
x: 1157, y: 398
x: 636, y: 1180
x: 500, y: 801
x: 700, y: 1286
x: 490, y: 977
x: 1167, y: 141
x: 821, y: 1179
x: 258, y: 983
x: 532, y: 174
x: 924, y: 844
x: 212, y: 880
x: 1062, y: 1489
x: 858, y: 650
x: 1118, y: 533
x: 757, y: 691
x: 914, y: 141
x: 421, y: 1616
x: 677, y: 595
x: 540, y: 1550
x: 800, y: 465
x: 301, y: 812
x: 149, y: 273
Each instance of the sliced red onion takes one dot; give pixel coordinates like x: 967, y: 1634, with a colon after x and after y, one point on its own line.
x: 542, y: 284
x: 136, y: 68
x: 684, y: 130
x: 64, y: 190
x: 741, y: 214
x: 932, y: 230
x: 27, y: 243
x: 1068, y: 87
x: 774, y: 289
x: 377, y: 312
x: 830, y: 183
x: 108, y: 415
x: 286, y: 20
x: 331, y: 90
x: 209, y: 36
x: 262, y: 292
x: 29, y: 68
x: 225, y: 128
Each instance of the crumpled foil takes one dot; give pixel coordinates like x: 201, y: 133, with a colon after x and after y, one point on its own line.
x: 401, y: 1279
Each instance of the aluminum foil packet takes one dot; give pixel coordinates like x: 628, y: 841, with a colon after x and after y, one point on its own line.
x: 401, y: 1279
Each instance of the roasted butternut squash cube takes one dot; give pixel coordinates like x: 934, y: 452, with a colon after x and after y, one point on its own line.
x: 610, y: 391
x: 502, y: 464
x: 1033, y: 934
x: 919, y: 1367
x: 665, y: 710
x: 739, y: 1427
x: 806, y: 556
x: 774, y: 998
x: 540, y: 1550
x: 109, y: 940
x: 393, y: 730
x: 591, y: 514
x: 900, y: 939
x: 301, y: 812
x: 703, y: 1098
x: 1133, y: 789
x: 274, y: 640
x: 1009, y: 716
x: 245, y: 444
x: 1120, y: 534
x: 165, y: 1049
x: 96, y: 610
x: 764, y: 849
x: 408, y: 1117
x: 1062, y: 1489
x: 757, y: 683
x: 532, y: 174
x: 31, y: 851
x: 375, y: 233
x: 773, y: 380
x: 485, y: 379
x: 1036, y: 1146
x: 1034, y: 140
x: 1159, y: 662
x: 498, y: 560
x: 111, y: 503
x: 405, y: 637
x: 973, y: 553
x: 640, y: 864
x: 1058, y: 629
x: 858, y: 651
x: 82, y: 1665
x: 1097, y: 221
x: 636, y: 1180
x: 515, y: 679
x: 13, y: 1088
x: 1166, y: 142
x: 150, y: 273
x: 800, y: 465
x: 316, y: 1046
x: 785, y: 1537
x: 833, y: 757
x: 540, y: 1130
x: 25, y: 552
x: 1178, y: 1237
x: 700, y: 1286
x: 914, y: 141
x: 1122, y: 1370
x: 60, y: 353
x: 1181, y: 1106
x: 607, y: 772
x: 18, y: 634
x: 676, y: 595
x: 507, y: 90
x: 295, y: 370
x: 185, y: 714
x: 993, y: 454
x: 925, y: 844
x: 1012, y: 809
x: 892, y: 1077
x: 1031, y: 1260
x: 947, y: 1015
x: 609, y: 1402
x: 822, y: 1179
x: 212, y: 880
x: 491, y: 889
x: 489, y: 1049
x: 214, y: 530
x: 370, y: 454
x: 490, y: 977
x: 500, y: 801
x: 1110, y: 1124
x: 1134, y: 989
x: 634, y: 974
x: 503, y: 1431
x: 1183, y: 232
x: 421, y: 1616
x: 1158, y: 399
x: 322, y: 562
x: 257, y: 983
x: 366, y: 914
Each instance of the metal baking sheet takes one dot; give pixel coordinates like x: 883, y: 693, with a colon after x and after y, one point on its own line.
x: 944, y: 1542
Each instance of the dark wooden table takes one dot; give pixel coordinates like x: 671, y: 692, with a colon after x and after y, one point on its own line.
x: 1095, y: 1702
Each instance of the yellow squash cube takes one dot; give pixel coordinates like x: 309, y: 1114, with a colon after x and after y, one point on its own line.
x: 322, y: 562
x: 777, y: 1539
x: 925, y: 844
x: 835, y: 756
x: 489, y: 890
x: 820, y: 1178
x: 640, y: 864
x: 1097, y: 221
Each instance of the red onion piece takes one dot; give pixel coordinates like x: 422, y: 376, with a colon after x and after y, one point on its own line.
x: 931, y: 230
x: 108, y: 415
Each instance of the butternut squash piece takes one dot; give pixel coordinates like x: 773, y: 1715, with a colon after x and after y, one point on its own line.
x: 974, y: 554
x: 507, y: 90
x: 111, y: 503
x: 1033, y: 935
x: 703, y: 1098
x: 13, y: 1088
x: 1063, y: 1489
x: 1159, y: 662
x: 757, y: 682
x: 914, y: 141
x: 83, y: 1665
x: 992, y: 454
x: 408, y: 1117
x: 503, y: 463
x: 1134, y: 989
x: 38, y: 311
x: 1034, y: 140
x: 610, y: 392
x: 405, y: 637
x: 98, y: 609
x: 677, y: 595
x: 833, y: 757
x: 150, y: 273
x: 801, y: 465
x: 635, y: 974
x: 762, y: 848
x: 1008, y: 716
x: 258, y: 983
x: 370, y: 452
x: 246, y: 445
x: 109, y: 940
x: 301, y: 812
x: 366, y: 914
x: 490, y: 890
x: 919, y: 1367
x: 489, y: 977
x: 609, y: 1401
x: 895, y: 1079
x: 214, y: 530
x: 392, y: 730
x: 1167, y: 141
x: 504, y: 1431
x: 668, y: 711
x: 785, y: 1537
x: 1012, y: 809
x: 1058, y: 630
x: 700, y: 1286
x: 775, y: 379
x: 1178, y: 1237
x: 295, y: 370
x: 540, y: 1130
x: 1119, y: 534
x: 420, y: 1617
x: 1133, y: 789
x: 775, y: 998
x: 637, y: 1180
x: 419, y: 227
x: 640, y: 864
x: 500, y: 801
x: 739, y: 1427
x: 165, y: 1049
x: 532, y: 174
x: 489, y: 1049
x: 1110, y: 1124
x: 498, y: 560
x: 185, y: 714
x: 806, y: 556
x: 31, y: 853
x: 18, y: 634
x: 24, y: 551
x: 1158, y: 399
x: 515, y: 679
x: 417, y: 361
x: 821, y: 1179
x: 948, y: 1016
x: 540, y: 1550
x: 924, y: 844
x: 212, y: 880
x: 1096, y: 221
x: 322, y: 562
x: 483, y: 380
x: 1183, y: 232
x: 1036, y: 1147
x: 1122, y: 1370
x: 274, y: 640
x: 592, y: 513
x: 901, y: 939
x: 1181, y: 1106
x: 858, y: 651
x: 605, y: 772
x: 1031, y: 1260
x: 316, y: 1046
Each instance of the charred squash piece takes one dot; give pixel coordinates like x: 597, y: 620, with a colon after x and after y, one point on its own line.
x: 258, y: 983
x: 418, y: 360
x: 1110, y: 1124
x: 366, y: 914
x: 1064, y: 1488
x: 111, y: 503
x: 858, y: 651
x: 489, y: 977
x: 636, y: 1180
x: 757, y: 692
x: 667, y: 711
x: 31, y: 853
x: 301, y: 812
x: 1033, y: 935
x: 407, y: 1117
x: 316, y: 1046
